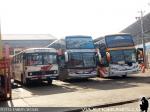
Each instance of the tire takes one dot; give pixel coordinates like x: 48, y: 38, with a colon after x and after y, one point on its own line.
x: 124, y: 76
x: 62, y: 74
x: 49, y: 81
x: 27, y: 83
x: 21, y: 82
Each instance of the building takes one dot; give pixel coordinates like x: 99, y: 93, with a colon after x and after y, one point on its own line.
x: 19, y: 42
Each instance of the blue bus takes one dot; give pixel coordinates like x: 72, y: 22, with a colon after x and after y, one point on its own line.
x: 77, y: 59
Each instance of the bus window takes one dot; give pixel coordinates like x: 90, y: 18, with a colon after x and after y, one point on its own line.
x: 130, y: 55
x: 116, y: 56
x: 89, y: 60
x: 34, y: 59
x: 50, y: 59
x: 75, y: 60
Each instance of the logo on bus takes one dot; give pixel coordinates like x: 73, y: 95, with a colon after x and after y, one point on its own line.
x: 47, y: 67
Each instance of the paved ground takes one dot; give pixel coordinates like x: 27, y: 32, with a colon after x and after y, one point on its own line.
x: 131, y: 107
x: 81, y: 93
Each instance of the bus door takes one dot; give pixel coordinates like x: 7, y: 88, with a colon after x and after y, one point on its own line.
x: 103, y: 64
x: 140, y: 55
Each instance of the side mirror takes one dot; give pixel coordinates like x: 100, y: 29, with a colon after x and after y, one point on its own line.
x: 66, y: 57
x: 99, y: 57
x: 108, y: 56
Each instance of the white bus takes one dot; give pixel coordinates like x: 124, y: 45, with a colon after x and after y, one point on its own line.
x: 117, y: 54
x: 35, y: 64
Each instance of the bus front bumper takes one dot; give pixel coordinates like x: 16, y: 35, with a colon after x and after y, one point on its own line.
x: 125, y: 72
x: 82, y: 75
x: 43, y: 77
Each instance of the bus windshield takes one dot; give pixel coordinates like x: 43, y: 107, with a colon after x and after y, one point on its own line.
x: 81, y: 60
x: 79, y: 43
x: 123, y: 55
x: 119, y: 41
x: 40, y: 59
x: 49, y: 59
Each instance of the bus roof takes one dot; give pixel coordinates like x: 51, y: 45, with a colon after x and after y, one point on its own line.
x: 100, y: 38
x: 34, y: 50
x: 118, y: 34
x: 78, y: 36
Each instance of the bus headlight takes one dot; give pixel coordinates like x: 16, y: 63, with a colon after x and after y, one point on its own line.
x: 30, y: 74
x: 55, y: 71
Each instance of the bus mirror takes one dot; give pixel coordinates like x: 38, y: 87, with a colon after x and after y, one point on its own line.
x: 108, y: 56
x: 99, y: 57
x: 66, y: 57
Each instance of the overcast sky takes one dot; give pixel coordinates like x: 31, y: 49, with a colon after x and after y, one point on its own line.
x: 69, y: 17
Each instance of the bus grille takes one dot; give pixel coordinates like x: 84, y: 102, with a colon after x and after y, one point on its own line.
x: 42, y: 72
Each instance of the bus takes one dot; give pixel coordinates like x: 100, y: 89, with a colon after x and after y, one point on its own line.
x: 38, y: 64
x: 117, y: 55
x: 77, y: 59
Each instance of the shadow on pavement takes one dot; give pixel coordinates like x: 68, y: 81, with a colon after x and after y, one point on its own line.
x: 6, y: 103
x: 110, y: 83
x: 38, y: 89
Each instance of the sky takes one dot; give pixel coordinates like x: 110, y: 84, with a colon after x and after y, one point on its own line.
x: 69, y: 17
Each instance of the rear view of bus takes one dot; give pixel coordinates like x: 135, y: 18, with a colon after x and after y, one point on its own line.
x: 118, y: 55
x: 38, y: 64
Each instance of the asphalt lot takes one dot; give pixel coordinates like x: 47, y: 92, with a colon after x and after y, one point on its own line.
x: 81, y: 93
x: 80, y: 85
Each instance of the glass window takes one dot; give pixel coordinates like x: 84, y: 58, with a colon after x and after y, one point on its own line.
x: 116, y: 56
x: 49, y: 59
x: 89, y: 59
x: 75, y: 60
x: 130, y: 55
x: 34, y: 59
x: 123, y: 55
x: 119, y: 41
x: 78, y: 42
x: 82, y: 60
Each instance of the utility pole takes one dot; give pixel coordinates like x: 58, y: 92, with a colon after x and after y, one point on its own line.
x: 0, y: 42
x: 142, y: 35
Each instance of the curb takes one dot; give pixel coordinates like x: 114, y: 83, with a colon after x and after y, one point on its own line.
x: 106, y: 105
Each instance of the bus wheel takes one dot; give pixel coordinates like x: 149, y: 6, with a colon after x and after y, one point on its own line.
x: 124, y: 76
x: 63, y: 75
x: 49, y: 81
x: 27, y: 82
x: 22, y: 82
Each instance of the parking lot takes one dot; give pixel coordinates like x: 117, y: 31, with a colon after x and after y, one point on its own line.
x: 79, y: 85
x: 80, y: 93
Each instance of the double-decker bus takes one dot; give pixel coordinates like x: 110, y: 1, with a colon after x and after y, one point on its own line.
x: 35, y: 64
x: 117, y: 55
x: 78, y: 58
